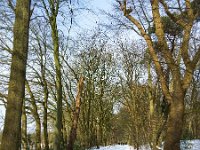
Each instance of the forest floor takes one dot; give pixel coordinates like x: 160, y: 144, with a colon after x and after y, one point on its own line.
x: 185, y: 145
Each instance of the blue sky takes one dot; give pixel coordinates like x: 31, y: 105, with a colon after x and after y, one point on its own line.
x: 88, y: 19
x: 103, y: 4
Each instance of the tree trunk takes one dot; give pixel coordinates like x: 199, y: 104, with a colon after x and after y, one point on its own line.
x: 36, y: 116
x: 46, y: 94
x: 59, y: 142
x: 72, y: 136
x: 175, y: 122
x: 45, y: 130
x: 52, y: 16
x: 43, y: 54
x: 24, y: 128
x: 152, y: 112
x: 12, y: 127
x: 38, y: 133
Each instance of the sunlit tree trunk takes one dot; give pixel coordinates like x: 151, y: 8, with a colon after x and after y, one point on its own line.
x: 73, y: 132
x: 12, y: 127
x: 152, y: 115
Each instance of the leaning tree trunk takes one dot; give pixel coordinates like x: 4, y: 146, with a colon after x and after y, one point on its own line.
x: 12, y: 127
x: 72, y: 136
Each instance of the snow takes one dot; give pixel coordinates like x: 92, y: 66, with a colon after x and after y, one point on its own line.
x: 120, y: 147
x: 115, y: 147
x: 185, y: 145
x: 190, y: 145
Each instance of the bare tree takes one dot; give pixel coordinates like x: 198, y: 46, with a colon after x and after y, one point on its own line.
x: 11, y: 138
x: 52, y: 9
x: 180, y: 80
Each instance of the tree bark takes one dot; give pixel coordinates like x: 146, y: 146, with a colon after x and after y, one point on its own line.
x: 72, y: 136
x: 175, y: 122
x: 24, y: 128
x: 12, y: 127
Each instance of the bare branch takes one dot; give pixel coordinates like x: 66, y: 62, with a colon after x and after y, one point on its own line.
x: 10, y: 4
x: 179, y: 21
x: 153, y: 54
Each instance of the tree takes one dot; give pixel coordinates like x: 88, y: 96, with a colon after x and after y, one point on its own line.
x: 52, y: 13
x: 11, y: 138
x: 73, y: 132
x: 94, y: 63
x: 180, y: 79
x: 137, y: 96
x: 40, y: 35
x: 34, y: 111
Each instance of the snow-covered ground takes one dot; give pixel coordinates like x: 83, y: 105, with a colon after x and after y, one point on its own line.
x: 185, y: 145
x: 115, y: 147
x: 190, y: 145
